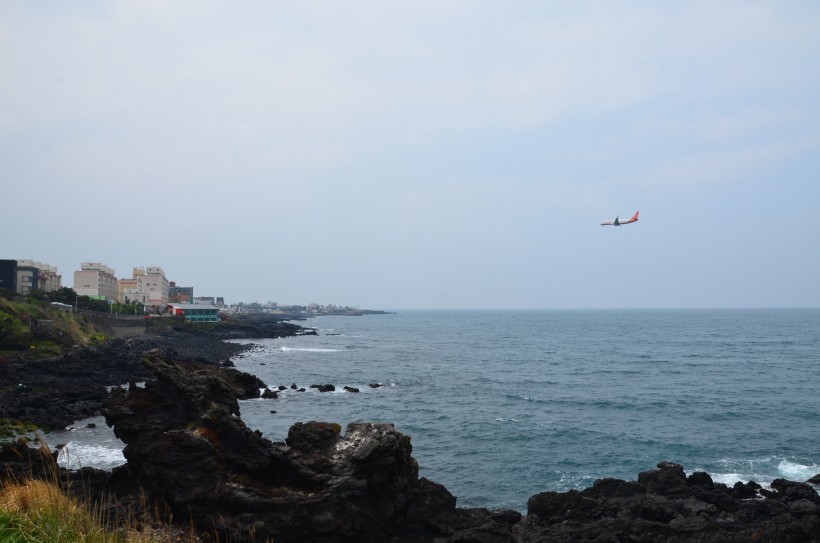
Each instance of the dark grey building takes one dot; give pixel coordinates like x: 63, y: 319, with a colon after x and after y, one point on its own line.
x: 8, y: 275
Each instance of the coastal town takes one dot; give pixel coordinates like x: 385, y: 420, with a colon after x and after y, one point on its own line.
x: 148, y: 291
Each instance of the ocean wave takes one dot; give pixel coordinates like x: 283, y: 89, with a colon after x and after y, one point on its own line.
x: 729, y: 479
x: 762, y: 470
x: 307, y: 350
x: 76, y: 455
x: 797, y: 472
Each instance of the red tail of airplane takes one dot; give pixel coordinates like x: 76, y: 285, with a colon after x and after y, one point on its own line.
x: 633, y: 219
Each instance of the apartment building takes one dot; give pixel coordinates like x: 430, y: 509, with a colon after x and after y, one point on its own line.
x: 32, y: 275
x: 147, y: 286
x: 95, y: 280
x: 130, y: 290
x: 180, y: 295
x: 156, y: 285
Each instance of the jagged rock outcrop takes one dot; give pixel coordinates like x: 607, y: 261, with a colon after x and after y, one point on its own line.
x: 666, y: 505
x: 188, y: 449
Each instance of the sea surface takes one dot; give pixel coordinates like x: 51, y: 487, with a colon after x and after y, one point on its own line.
x: 501, y: 405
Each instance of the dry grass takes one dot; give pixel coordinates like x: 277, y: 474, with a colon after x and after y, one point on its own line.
x: 39, y: 511
x: 35, y: 510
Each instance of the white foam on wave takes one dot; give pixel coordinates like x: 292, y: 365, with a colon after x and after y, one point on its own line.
x: 75, y: 456
x: 307, y: 350
x: 728, y: 479
x: 763, y: 471
x: 797, y: 472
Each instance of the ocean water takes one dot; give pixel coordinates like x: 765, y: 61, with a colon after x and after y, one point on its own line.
x: 501, y: 405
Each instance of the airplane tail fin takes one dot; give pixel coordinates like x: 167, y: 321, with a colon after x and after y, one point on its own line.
x: 634, y: 217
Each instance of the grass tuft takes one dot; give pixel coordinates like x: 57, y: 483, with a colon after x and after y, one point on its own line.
x: 40, y: 511
x: 35, y: 510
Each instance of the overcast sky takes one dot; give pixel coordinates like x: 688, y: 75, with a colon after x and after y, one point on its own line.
x: 427, y: 154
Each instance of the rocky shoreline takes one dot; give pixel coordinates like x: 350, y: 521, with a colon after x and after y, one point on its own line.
x: 191, y: 455
x: 53, y: 393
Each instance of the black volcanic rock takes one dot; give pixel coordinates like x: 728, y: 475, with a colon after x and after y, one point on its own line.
x: 269, y: 394
x: 56, y: 392
x: 664, y: 505
x: 324, y: 388
x: 187, y: 448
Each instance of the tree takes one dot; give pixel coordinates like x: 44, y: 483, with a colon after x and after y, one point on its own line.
x: 63, y: 295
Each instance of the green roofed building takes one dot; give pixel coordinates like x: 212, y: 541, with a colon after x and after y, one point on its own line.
x: 195, y: 312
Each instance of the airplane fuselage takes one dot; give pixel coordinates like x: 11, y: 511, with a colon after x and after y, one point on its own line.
x: 618, y: 222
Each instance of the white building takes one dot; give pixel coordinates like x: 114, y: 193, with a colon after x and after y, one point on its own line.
x: 96, y: 281
x: 156, y: 285
x: 147, y: 286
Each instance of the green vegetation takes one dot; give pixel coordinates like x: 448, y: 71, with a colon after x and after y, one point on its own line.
x: 37, y: 511
x: 12, y: 430
x: 70, y: 297
x: 35, y: 330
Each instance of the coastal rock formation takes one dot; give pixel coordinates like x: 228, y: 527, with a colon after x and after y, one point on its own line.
x: 187, y: 449
x: 324, y: 388
x: 56, y: 392
x: 666, y: 505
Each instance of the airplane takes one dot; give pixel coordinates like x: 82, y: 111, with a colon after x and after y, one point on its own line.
x: 616, y: 222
